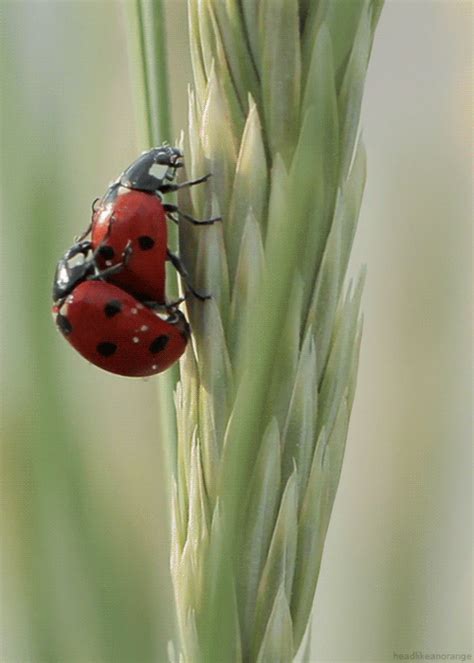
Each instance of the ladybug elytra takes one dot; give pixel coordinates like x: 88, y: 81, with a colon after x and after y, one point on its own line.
x: 116, y: 332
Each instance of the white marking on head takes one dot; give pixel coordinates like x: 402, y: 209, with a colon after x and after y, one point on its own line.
x: 134, y: 311
x: 76, y: 260
x: 144, y: 328
x: 158, y: 170
x: 63, y: 274
x: 135, y: 339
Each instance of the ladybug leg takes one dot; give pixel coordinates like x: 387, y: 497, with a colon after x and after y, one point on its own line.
x: 170, y: 209
x: 127, y: 253
x: 181, y: 269
x: 89, y: 227
x: 79, y: 238
x: 168, y: 188
x: 168, y: 305
x: 109, y: 271
x: 113, y: 269
x: 80, y: 246
x: 177, y: 302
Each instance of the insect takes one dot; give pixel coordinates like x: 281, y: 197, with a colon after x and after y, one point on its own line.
x: 118, y: 333
x: 132, y: 213
x: 108, y: 326
x: 79, y: 264
x: 109, y: 289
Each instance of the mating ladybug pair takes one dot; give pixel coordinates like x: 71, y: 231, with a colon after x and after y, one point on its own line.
x: 109, y: 289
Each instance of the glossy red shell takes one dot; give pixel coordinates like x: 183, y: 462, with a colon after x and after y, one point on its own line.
x: 127, y: 215
x: 114, y: 331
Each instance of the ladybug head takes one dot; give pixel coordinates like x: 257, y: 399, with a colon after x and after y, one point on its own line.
x: 74, y: 267
x: 153, y: 169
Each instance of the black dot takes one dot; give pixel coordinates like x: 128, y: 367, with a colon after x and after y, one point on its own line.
x: 112, y: 308
x: 63, y: 324
x: 146, y: 242
x: 159, y: 344
x: 106, y: 349
x: 106, y: 252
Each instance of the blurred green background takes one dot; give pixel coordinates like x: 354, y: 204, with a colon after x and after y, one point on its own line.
x: 83, y: 506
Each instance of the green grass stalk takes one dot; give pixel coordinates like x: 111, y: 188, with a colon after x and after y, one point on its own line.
x: 267, y: 384
x: 267, y: 387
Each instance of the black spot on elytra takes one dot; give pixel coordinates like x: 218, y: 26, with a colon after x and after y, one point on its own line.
x: 106, y: 348
x: 63, y: 324
x: 112, y: 307
x: 106, y: 252
x: 159, y: 344
x: 146, y: 242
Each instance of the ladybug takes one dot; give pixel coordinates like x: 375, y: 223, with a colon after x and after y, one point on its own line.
x: 79, y: 264
x: 107, y: 325
x: 132, y: 214
x: 116, y: 332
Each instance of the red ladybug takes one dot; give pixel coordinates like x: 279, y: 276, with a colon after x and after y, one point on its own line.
x: 107, y: 325
x: 116, y: 332
x: 132, y: 213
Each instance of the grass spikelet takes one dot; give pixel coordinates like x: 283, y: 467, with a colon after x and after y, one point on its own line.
x: 266, y: 390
